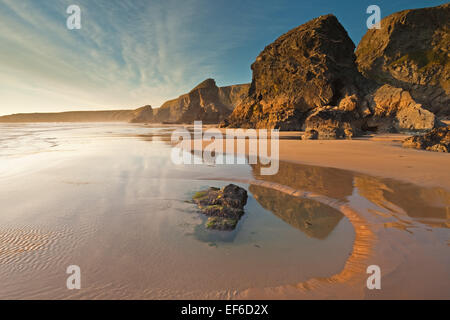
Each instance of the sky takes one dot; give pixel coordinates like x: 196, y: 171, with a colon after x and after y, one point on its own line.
x: 137, y: 52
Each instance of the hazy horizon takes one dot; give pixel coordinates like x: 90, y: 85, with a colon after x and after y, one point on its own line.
x: 130, y: 54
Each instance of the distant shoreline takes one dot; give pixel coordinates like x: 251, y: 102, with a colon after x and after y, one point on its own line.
x: 70, y: 116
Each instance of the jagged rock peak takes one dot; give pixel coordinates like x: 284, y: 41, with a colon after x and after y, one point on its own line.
x: 143, y: 114
x: 206, y: 102
x: 208, y: 83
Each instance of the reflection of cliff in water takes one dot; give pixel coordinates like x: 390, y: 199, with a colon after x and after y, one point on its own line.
x: 313, y: 218
x: 330, y: 182
x: 430, y: 206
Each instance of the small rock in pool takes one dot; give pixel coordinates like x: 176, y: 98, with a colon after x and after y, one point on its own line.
x: 224, y: 207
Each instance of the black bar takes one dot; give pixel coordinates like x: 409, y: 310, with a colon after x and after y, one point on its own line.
x: 253, y: 309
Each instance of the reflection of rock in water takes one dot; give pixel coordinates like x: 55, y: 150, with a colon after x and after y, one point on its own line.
x: 417, y: 202
x: 330, y: 182
x: 430, y: 206
x: 313, y: 218
x: 214, y: 236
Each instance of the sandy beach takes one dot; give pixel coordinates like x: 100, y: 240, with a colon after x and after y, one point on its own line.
x: 211, y: 157
x: 383, y: 172
x: 380, y: 155
x: 108, y: 198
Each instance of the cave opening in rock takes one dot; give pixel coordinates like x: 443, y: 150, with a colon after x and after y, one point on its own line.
x: 337, y: 92
x: 367, y: 128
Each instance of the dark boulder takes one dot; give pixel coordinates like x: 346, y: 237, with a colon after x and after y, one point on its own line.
x: 224, y: 207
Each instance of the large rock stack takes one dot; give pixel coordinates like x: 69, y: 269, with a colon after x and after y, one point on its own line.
x: 309, y: 67
x: 310, y: 78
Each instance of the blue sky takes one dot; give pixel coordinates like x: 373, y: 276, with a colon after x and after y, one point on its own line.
x: 137, y: 52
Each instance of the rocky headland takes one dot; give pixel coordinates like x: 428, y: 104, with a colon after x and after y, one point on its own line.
x: 144, y: 114
x: 206, y: 102
x: 312, y: 79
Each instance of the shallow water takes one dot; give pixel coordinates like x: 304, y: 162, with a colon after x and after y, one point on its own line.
x: 107, y: 197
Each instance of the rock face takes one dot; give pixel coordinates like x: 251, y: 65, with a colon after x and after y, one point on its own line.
x: 436, y: 140
x: 310, y: 79
x: 331, y: 123
x: 206, y: 102
x: 224, y: 207
x: 393, y: 109
x: 309, y: 67
x: 144, y: 114
x: 386, y: 109
x: 411, y: 51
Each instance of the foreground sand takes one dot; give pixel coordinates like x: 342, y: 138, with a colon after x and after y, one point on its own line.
x: 120, y: 182
x: 389, y: 239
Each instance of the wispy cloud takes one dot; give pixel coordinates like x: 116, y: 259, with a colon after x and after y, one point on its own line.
x: 135, y: 52
x: 128, y: 53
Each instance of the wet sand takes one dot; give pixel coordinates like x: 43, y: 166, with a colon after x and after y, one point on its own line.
x: 107, y: 198
x: 388, y: 220
x: 378, y: 155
